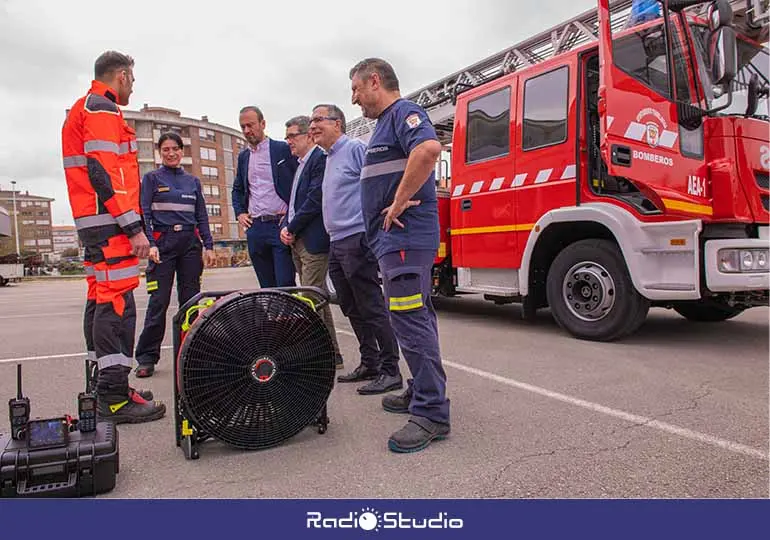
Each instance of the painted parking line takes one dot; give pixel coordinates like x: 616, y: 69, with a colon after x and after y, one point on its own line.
x: 608, y: 411
x: 51, y: 357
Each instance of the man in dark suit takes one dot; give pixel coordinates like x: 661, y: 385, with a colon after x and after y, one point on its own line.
x: 261, y: 192
x: 303, y: 229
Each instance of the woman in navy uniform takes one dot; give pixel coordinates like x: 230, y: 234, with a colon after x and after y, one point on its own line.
x: 176, y: 222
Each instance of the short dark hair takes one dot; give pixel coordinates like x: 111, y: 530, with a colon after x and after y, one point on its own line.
x: 334, y: 112
x: 302, y: 122
x: 366, y: 67
x: 170, y: 135
x: 109, y: 62
x: 255, y: 109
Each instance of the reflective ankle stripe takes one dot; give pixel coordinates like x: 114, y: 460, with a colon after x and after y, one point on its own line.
x: 110, y: 360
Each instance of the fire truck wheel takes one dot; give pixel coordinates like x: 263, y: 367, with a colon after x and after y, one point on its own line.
x: 706, y: 312
x: 591, y: 294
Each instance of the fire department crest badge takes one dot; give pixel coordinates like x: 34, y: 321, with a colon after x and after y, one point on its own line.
x: 653, y: 134
x: 413, y: 120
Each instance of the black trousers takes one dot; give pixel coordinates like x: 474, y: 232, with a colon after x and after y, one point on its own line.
x: 180, y: 256
x: 353, y: 270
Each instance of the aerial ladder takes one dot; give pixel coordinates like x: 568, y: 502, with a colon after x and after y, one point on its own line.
x: 750, y: 19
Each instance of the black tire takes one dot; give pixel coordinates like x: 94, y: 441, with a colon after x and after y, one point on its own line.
x: 700, y: 311
x: 612, y: 309
x: 3, y: 281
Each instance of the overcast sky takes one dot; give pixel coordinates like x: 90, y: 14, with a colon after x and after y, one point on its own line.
x: 211, y: 58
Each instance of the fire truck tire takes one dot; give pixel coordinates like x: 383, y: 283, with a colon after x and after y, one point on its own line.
x: 591, y: 294
x: 706, y: 312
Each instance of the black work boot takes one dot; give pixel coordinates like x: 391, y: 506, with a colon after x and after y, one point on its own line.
x: 146, y: 395
x: 416, y: 435
x: 131, y: 409
x: 383, y: 383
x: 398, y: 404
x: 361, y: 373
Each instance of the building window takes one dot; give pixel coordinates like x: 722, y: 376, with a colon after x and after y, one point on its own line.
x: 214, y: 209
x: 44, y: 242
x: 217, y: 228
x: 165, y: 128
x: 43, y: 222
x: 208, y: 153
x: 207, y: 135
x: 30, y: 243
x: 545, y: 109
x: 210, y: 191
x: 210, y: 173
x: 488, y: 132
x: 227, y: 141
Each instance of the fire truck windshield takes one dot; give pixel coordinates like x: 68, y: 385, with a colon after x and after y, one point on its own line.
x: 752, y: 60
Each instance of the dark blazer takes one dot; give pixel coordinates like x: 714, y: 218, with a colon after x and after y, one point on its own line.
x: 308, y: 222
x: 284, y: 167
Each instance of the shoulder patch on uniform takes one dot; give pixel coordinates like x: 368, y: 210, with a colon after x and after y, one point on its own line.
x: 413, y: 120
x: 97, y: 103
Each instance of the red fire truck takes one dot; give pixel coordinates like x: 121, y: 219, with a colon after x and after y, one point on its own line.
x: 600, y: 169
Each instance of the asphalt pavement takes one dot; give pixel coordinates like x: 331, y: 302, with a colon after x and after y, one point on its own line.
x: 680, y: 409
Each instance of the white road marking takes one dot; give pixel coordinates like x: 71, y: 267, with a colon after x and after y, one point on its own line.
x: 609, y: 411
x: 622, y: 415
x: 82, y: 354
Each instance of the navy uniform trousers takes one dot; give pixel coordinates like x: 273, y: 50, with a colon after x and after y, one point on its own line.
x: 407, y: 277
x: 180, y: 255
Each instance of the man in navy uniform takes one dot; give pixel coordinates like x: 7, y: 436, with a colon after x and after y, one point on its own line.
x: 261, y: 192
x: 400, y: 208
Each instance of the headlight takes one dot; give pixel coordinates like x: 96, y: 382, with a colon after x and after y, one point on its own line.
x: 733, y: 261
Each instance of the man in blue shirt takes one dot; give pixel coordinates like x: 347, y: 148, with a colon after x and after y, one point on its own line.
x: 352, y: 266
x: 400, y: 207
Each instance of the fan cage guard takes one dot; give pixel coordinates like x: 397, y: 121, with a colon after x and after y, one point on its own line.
x: 254, y: 369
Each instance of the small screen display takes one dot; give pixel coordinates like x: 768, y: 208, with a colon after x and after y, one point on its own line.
x: 87, y: 405
x: 46, y: 433
x: 19, y: 411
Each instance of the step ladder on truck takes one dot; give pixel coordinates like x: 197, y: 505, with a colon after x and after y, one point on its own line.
x: 611, y: 164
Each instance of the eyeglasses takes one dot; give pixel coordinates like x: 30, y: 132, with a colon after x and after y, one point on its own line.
x: 317, y: 119
x: 292, y: 136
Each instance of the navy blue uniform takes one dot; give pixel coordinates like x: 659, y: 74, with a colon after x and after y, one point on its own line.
x: 406, y: 255
x: 176, y: 221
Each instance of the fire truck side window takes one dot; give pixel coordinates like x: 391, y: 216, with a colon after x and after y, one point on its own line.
x: 545, y: 109
x: 643, y: 56
x: 489, y: 120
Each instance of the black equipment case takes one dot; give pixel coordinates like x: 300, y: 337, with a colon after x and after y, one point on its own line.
x: 86, y: 466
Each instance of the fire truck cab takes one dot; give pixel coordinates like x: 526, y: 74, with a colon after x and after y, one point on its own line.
x: 628, y: 172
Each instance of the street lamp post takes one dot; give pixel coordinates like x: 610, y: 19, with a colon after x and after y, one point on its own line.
x: 15, y: 217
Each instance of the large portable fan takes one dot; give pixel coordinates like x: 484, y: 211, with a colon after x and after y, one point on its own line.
x: 252, y: 368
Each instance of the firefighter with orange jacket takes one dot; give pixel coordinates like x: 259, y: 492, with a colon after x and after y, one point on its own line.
x: 99, y: 156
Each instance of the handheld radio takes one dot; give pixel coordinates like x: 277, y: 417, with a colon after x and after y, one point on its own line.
x: 87, y: 403
x: 18, y: 409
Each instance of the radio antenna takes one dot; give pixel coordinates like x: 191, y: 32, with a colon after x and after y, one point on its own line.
x: 19, y: 394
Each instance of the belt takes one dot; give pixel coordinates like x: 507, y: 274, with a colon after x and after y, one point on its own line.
x: 174, y: 228
x: 266, y: 218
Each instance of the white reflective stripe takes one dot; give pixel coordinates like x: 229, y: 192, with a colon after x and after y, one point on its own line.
x: 397, y: 165
x: 543, y: 176
x: 667, y: 139
x: 133, y: 145
x: 458, y: 190
x: 128, y: 218
x: 635, y: 131
x: 94, y: 221
x: 75, y: 161
x: 519, y: 179
x: 91, y: 355
x: 569, y: 172
x: 117, y: 274
x: 476, y: 187
x: 173, y: 207
x: 497, y: 183
x: 123, y: 148
x: 97, y: 145
x: 610, y: 120
x: 113, y: 360
x: 89, y: 270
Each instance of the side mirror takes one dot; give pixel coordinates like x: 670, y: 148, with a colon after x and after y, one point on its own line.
x: 752, y: 95
x: 720, y: 13
x: 723, y: 54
